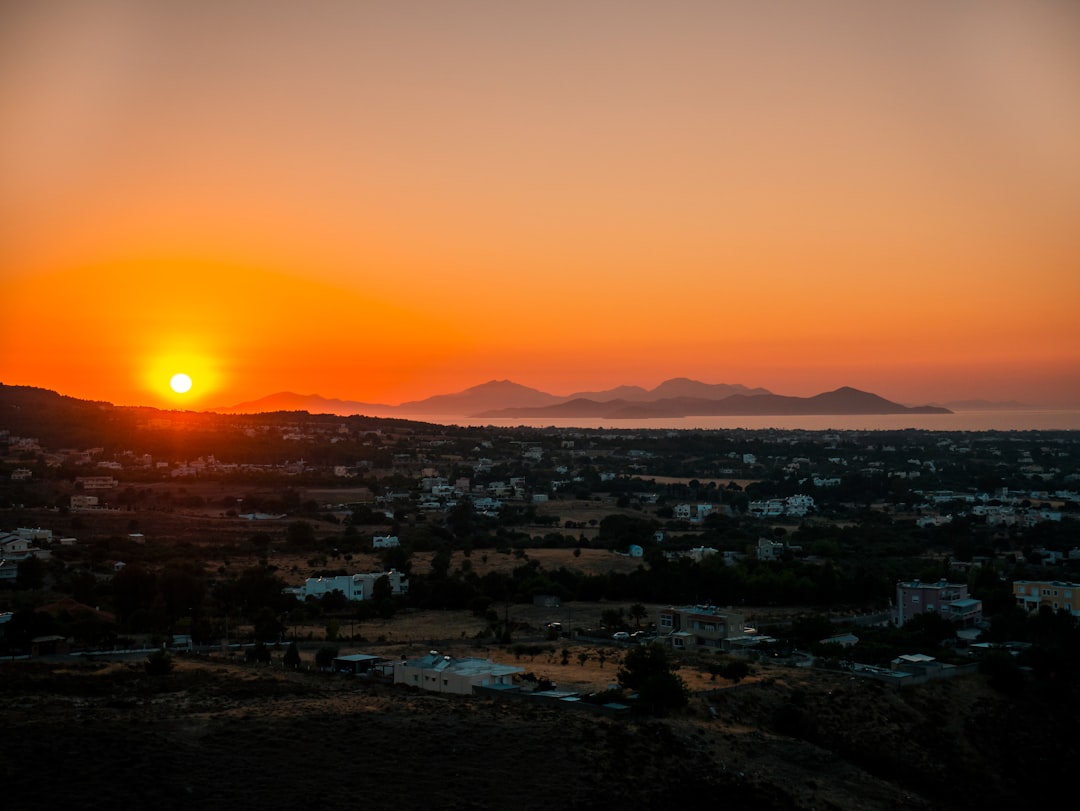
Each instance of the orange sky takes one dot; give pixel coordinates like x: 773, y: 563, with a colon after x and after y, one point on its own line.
x: 384, y: 201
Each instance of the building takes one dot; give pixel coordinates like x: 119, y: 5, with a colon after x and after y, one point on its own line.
x: 16, y: 548
x: 769, y: 550
x: 951, y: 600
x: 9, y: 571
x: 1031, y: 595
x: 445, y: 674
x: 698, y: 626
x: 356, y: 587
x: 357, y: 664
x: 96, y: 482
x: 384, y: 541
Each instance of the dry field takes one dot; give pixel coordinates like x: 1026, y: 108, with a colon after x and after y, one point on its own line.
x: 414, y: 634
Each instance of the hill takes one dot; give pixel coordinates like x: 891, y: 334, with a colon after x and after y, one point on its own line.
x: 217, y: 735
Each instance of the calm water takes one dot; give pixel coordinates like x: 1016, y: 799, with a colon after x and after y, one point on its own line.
x: 1049, y: 420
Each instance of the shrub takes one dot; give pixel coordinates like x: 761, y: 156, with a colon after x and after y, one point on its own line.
x: 159, y: 663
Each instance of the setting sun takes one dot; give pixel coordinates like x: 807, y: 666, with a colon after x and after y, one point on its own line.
x: 180, y: 383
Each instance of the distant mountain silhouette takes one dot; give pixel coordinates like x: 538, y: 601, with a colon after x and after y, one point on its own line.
x: 678, y: 397
x: 843, y: 401
x: 486, y: 396
x: 494, y: 395
x: 676, y: 387
x: 312, y: 403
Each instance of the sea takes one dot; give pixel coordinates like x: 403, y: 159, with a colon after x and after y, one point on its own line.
x: 988, y: 420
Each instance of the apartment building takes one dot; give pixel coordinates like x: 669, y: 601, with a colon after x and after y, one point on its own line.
x: 698, y: 626
x: 1055, y: 594
x: 951, y: 600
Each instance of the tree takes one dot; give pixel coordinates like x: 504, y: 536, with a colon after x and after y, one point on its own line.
x: 258, y: 653
x: 324, y: 658
x: 638, y: 613
x: 613, y: 619
x: 736, y: 671
x: 158, y: 663
x: 461, y: 519
x: 292, y: 657
x: 650, y: 670
x: 382, y: 595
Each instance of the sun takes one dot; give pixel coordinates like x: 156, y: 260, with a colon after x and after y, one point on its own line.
x: 180, y: 383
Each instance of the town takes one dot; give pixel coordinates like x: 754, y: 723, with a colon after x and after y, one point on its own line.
x: 316, y: 543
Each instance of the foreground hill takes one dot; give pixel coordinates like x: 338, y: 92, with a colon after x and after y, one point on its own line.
x: 215, y: 735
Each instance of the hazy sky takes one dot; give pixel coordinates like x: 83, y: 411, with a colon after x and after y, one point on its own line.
x: 386, y: 200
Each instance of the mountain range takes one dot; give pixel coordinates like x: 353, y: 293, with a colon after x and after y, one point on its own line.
x: 678, y: 397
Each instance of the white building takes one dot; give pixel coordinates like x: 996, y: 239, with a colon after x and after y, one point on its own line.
x: 445, y: 674
x: 96, y: 482
x: 769, y: 550
x: 355, y: 587
x: 384, y: 541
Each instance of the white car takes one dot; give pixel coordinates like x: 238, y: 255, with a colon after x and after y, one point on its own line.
x: 620, y: 636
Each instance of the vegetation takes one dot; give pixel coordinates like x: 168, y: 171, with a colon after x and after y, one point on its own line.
x: 159, y: 663
x: 650, y: 671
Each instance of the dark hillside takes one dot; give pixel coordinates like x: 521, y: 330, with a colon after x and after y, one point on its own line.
x: 215, y: 735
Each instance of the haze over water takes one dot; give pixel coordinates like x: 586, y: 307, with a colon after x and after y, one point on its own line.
x: 997, y: 420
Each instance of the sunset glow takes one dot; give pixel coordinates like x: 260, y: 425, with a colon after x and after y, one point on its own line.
x: 382, y: 202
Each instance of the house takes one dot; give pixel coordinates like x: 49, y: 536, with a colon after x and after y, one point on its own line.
x: 355, y: 587
x: 692, y: 512
x: 357, y: 663
x: 96, y: 482
x: 9, y: 571
x: 769, y: 550
x: 951, y: 600
x: 699, y: 553
x: 1031, y: 595
x: 698, y: 626
x: 446, y: 674
x: 918, y: 664
x: 14, y: 548
x: 35, y: 534
x: 384, y: 541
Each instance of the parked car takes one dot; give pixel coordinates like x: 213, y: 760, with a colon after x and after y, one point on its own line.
x: 620, y: 636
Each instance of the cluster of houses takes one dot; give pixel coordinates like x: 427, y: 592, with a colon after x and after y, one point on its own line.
x: 21, y: 544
